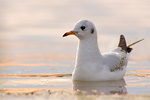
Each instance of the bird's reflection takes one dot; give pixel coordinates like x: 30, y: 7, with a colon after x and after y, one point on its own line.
x: 106, y: 87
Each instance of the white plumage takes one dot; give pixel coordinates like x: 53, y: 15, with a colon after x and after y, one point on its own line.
x: 91, y: 65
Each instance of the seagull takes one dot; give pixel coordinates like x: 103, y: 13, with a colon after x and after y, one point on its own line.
x: 91, y: 64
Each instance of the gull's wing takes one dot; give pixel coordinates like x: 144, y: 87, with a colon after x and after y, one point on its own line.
x: 115, y: 61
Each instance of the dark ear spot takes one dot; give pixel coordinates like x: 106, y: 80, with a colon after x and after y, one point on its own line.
x: 92, y: 30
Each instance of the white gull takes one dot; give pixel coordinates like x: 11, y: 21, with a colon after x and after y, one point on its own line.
x: 91, y: 65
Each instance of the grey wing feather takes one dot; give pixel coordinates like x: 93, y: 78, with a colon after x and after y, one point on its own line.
x: 114, y: 61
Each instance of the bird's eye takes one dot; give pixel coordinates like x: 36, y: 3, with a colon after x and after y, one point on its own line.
x: 82, y: 27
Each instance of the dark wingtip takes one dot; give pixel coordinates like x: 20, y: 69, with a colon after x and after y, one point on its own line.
x: 122, y: 43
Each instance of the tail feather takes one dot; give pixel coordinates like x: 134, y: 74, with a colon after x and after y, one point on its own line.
x: 124, y: 46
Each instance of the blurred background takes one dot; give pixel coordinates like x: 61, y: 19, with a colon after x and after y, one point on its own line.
x: 31, y: 30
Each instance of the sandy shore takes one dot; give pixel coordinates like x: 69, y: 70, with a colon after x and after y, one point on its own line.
x: 65, y: 95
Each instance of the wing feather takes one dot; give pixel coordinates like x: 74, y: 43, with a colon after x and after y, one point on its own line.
x: 114, y: 61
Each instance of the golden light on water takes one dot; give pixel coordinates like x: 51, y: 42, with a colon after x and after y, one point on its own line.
x: 36, y: 75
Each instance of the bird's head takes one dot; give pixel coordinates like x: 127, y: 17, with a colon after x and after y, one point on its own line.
x: 83, y: 29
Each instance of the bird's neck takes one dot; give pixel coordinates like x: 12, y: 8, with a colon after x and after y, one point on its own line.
x: 88, y: 52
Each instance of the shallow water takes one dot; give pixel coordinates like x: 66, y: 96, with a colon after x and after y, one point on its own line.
x: 35, y: 57
x: 29, y: 67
